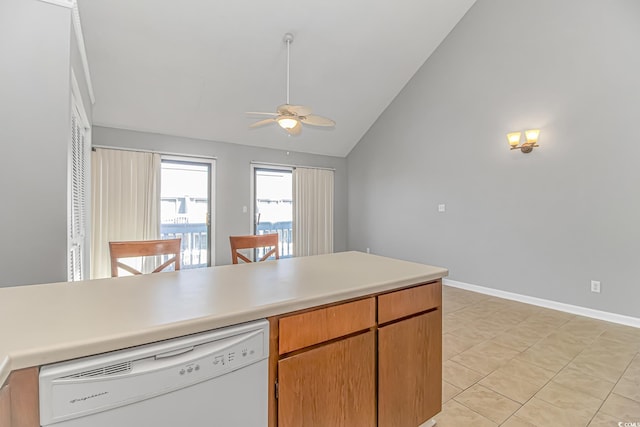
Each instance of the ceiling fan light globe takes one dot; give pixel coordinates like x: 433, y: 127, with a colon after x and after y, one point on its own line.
x: 287, y: 123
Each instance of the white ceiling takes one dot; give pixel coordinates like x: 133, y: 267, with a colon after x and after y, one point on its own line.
x: 194, y: 67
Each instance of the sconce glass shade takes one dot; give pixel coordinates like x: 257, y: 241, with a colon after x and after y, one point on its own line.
x: 514, y: 138
x: 531, y: 135
x: 287, y: 123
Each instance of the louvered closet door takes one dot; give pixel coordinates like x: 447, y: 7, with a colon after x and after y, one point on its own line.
x: 78, y: 195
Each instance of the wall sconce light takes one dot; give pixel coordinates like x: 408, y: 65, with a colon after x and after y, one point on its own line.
x: 531, y: 137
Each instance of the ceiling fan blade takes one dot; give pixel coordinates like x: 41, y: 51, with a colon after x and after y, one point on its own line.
x: 314, y: 120
x: 300, y: 110
x: 261, y: 113
x: 296, y: 130
x: 262, y: 123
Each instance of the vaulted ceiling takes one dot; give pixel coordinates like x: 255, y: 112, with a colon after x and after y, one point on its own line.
x: 193, y: 68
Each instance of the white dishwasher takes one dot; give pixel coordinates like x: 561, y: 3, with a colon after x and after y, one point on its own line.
x: 214, y: 378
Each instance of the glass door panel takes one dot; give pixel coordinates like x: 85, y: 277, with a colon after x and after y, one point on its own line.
x: 274, y: 206
x: 185, y: 208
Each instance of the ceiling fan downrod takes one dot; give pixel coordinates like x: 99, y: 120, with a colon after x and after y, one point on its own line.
x: 290, y: 117
x: 288, y: 39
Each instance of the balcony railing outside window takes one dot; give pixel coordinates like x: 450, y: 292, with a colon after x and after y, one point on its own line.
x: 285, y: 239
x: 194, y: 242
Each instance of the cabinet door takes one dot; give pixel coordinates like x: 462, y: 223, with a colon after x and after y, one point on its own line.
x: 23, y: 387
x: 410, y: 371
x: 5, y: 406
x: 331, y: 385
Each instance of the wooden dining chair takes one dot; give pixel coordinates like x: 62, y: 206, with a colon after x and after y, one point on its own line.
x: 143, y: 248
x: 254, y: 242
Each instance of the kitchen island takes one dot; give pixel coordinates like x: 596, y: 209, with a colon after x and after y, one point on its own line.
x: 41, y: 324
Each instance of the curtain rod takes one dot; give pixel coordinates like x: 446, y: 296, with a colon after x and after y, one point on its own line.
x: 255, y: 162
x: 163, y: 153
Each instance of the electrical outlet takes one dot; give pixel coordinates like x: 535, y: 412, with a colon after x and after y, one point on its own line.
x: 442, y: 207
x: 595, y: 286
x: 368, y: 251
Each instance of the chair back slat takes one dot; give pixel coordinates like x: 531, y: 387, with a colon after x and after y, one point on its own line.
x: 254, y: 242
x: 142, y: 248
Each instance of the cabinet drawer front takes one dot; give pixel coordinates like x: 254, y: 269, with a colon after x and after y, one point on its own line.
x: 399, y: 304
x: 313, y: 327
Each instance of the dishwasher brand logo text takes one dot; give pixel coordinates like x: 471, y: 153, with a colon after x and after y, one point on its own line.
x: 91, y: 396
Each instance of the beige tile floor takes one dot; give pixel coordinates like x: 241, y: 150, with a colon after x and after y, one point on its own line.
x: 511, y: 364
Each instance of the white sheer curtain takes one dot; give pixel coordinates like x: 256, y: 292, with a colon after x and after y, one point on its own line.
x: 125, y: 201
x: 312, y: 211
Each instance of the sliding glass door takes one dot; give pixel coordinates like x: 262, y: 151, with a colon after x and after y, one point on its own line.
x: 186, y: 193
x: 273, y: 211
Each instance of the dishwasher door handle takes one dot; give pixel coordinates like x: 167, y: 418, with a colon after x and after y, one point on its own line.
x: 174, y: 353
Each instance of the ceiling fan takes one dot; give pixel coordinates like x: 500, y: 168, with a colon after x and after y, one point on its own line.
x: 291, y: 117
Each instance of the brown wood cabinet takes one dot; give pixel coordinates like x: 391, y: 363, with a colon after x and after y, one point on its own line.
x: 407, y: 302
x: 326, y: 367
x: 5, y: 406
x: 374, y: 361
x: 19, y: 406
x: 330, y: 385
x: 410, y: 370
x: 323, y: 324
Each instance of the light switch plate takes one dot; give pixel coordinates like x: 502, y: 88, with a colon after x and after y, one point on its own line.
x: 441, y: 207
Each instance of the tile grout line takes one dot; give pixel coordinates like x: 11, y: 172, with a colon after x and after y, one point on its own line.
x: 468, y: 313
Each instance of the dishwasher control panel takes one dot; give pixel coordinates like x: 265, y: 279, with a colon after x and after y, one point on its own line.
x: 228, y: 359
x: 97, y: 383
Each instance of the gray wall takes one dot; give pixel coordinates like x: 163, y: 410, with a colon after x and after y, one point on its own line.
x: 76, y: 65
x: 34, y: 136
x: 233, y: 178
x: 541, y: 224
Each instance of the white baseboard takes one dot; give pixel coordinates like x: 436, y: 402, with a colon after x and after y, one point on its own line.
x: 573, y: 309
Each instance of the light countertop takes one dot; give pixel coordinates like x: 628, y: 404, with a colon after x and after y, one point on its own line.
x: 48, y: 323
